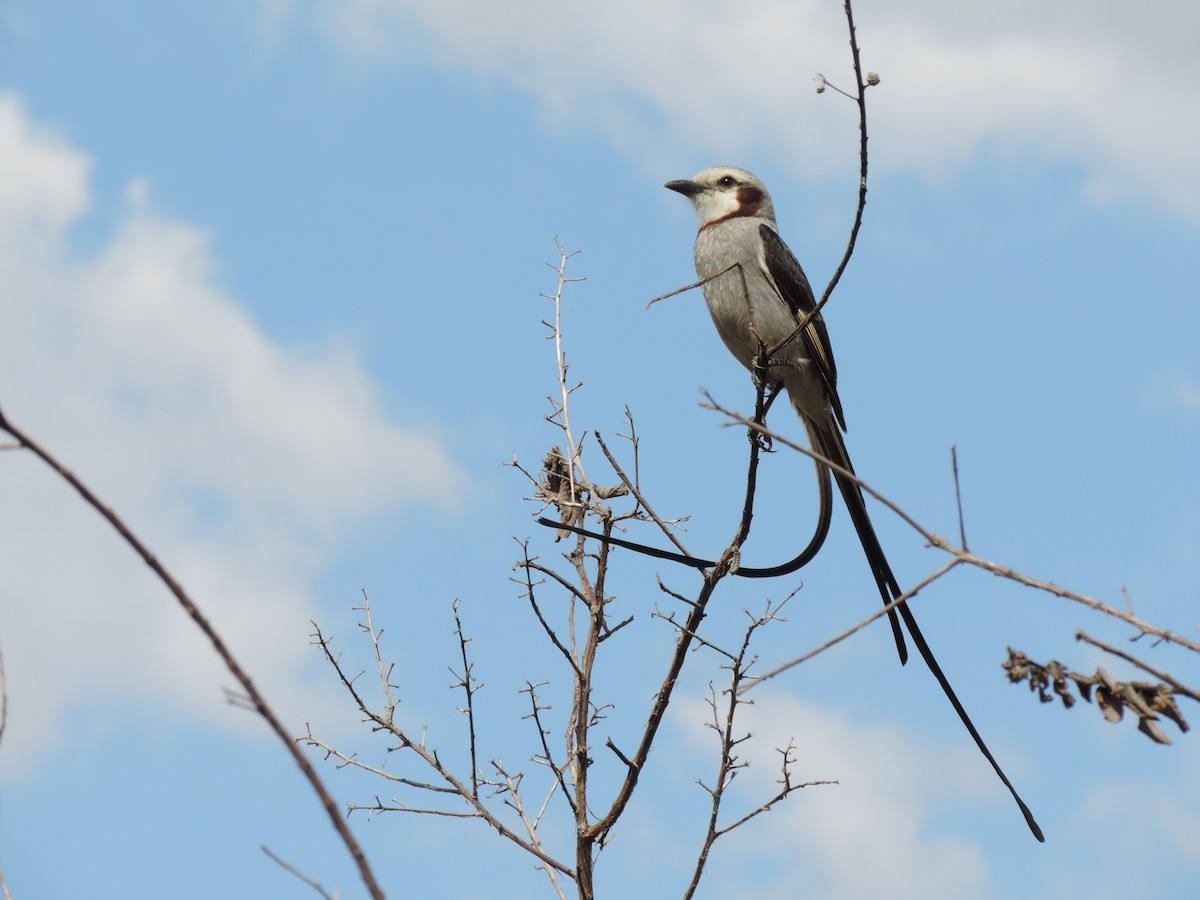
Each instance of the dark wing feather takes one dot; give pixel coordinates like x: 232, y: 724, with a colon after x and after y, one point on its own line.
x: 793, y: 286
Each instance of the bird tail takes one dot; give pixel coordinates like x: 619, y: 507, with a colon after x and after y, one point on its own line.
x: 828, y: 442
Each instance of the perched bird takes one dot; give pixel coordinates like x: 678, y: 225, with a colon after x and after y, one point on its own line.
x: 758, y: 294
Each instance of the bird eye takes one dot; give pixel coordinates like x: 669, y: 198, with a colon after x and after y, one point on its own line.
x: 726, y: 181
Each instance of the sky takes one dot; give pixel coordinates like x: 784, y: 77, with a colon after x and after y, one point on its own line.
x: 273, y: 277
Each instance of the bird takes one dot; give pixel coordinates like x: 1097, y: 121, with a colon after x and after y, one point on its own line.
x: 757, y: 294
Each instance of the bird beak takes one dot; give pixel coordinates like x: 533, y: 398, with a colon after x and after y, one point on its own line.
x: 686, y: 187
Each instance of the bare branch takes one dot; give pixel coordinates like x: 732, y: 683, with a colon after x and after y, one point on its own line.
x: 642, y: 501
x: 962, y: 528
x: 860, y: 99
x: 467, y: 682
x: 1179, y: 687
x: 477, y: 808
x: 692, y: 286
x: 853, y: 629
x: 547, y: 756
x: 961, y: 554
x: 288, y: 867
x: 512, y: 788
x: 738, y: 666
x: 218, y: 644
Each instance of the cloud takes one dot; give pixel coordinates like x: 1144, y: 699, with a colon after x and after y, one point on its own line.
x: 1153, y: 828
x: 722, y: 82
x: 244, y: 463
x: 1173, y: 390
x: 45, y: 188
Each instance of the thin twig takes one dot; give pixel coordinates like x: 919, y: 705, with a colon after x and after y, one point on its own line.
x: 535, y: 714
x: 512, y: 786
x: 430, y: 757
x: 854, y: 629
x: 775, y: 437
x: 637, y: 494
x: 1178, y: 686
x: 859, y: 99
x: 385, y: 680
x: 939, y: 542
x: 730, y: 765
x: 573, y: 459
x: 529, y: 565
x: 466, y: 682
x: 692, y: 286
x: 962, y: 528
x: 287, y: 866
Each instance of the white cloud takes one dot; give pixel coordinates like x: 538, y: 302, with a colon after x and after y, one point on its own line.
x: 239, y: 460
x: 44, y: 187
x: 1109, y: 91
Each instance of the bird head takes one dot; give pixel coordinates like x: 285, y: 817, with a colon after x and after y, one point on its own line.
x: 726, y: 192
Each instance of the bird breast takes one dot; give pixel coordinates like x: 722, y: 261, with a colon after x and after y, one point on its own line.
x: 744, y: 313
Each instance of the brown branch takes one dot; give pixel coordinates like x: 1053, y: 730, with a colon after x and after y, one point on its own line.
x: 380, y: 807
x: 775, y: 437
x: 962, y: 527
x: 288, y: 867
x: 860, y: 100
x: 687, y: 631
x: 961, y: 554
x: 511, y: 786
x: 730, y: 764
x: 853, y: 629
x: 788, y: 788
x: 477, y: 807
x: 390, y: 702
x: 547, y: 756
x: 1178, y: 686
x: 256, y: 699
x: 1052, y: 588
x: 692, y: 286
x: 563, y: 413
x: 467, y: 682
x: 529, y: 566
x: 638, y: 496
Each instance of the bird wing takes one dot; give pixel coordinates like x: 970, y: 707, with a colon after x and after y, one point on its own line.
x: 792, y: 285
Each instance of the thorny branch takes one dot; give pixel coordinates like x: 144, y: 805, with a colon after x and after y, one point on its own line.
x: 547, y: 758
x: 561, y: 414
x: 385, y: 722
x: 730, y: 763
x: 296, y: 873
x: 470, y: 684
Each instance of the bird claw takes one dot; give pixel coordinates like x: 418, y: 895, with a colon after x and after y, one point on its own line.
x: 763, y: 441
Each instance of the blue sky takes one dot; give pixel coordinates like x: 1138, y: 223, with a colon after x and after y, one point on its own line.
x: 271, y: 287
